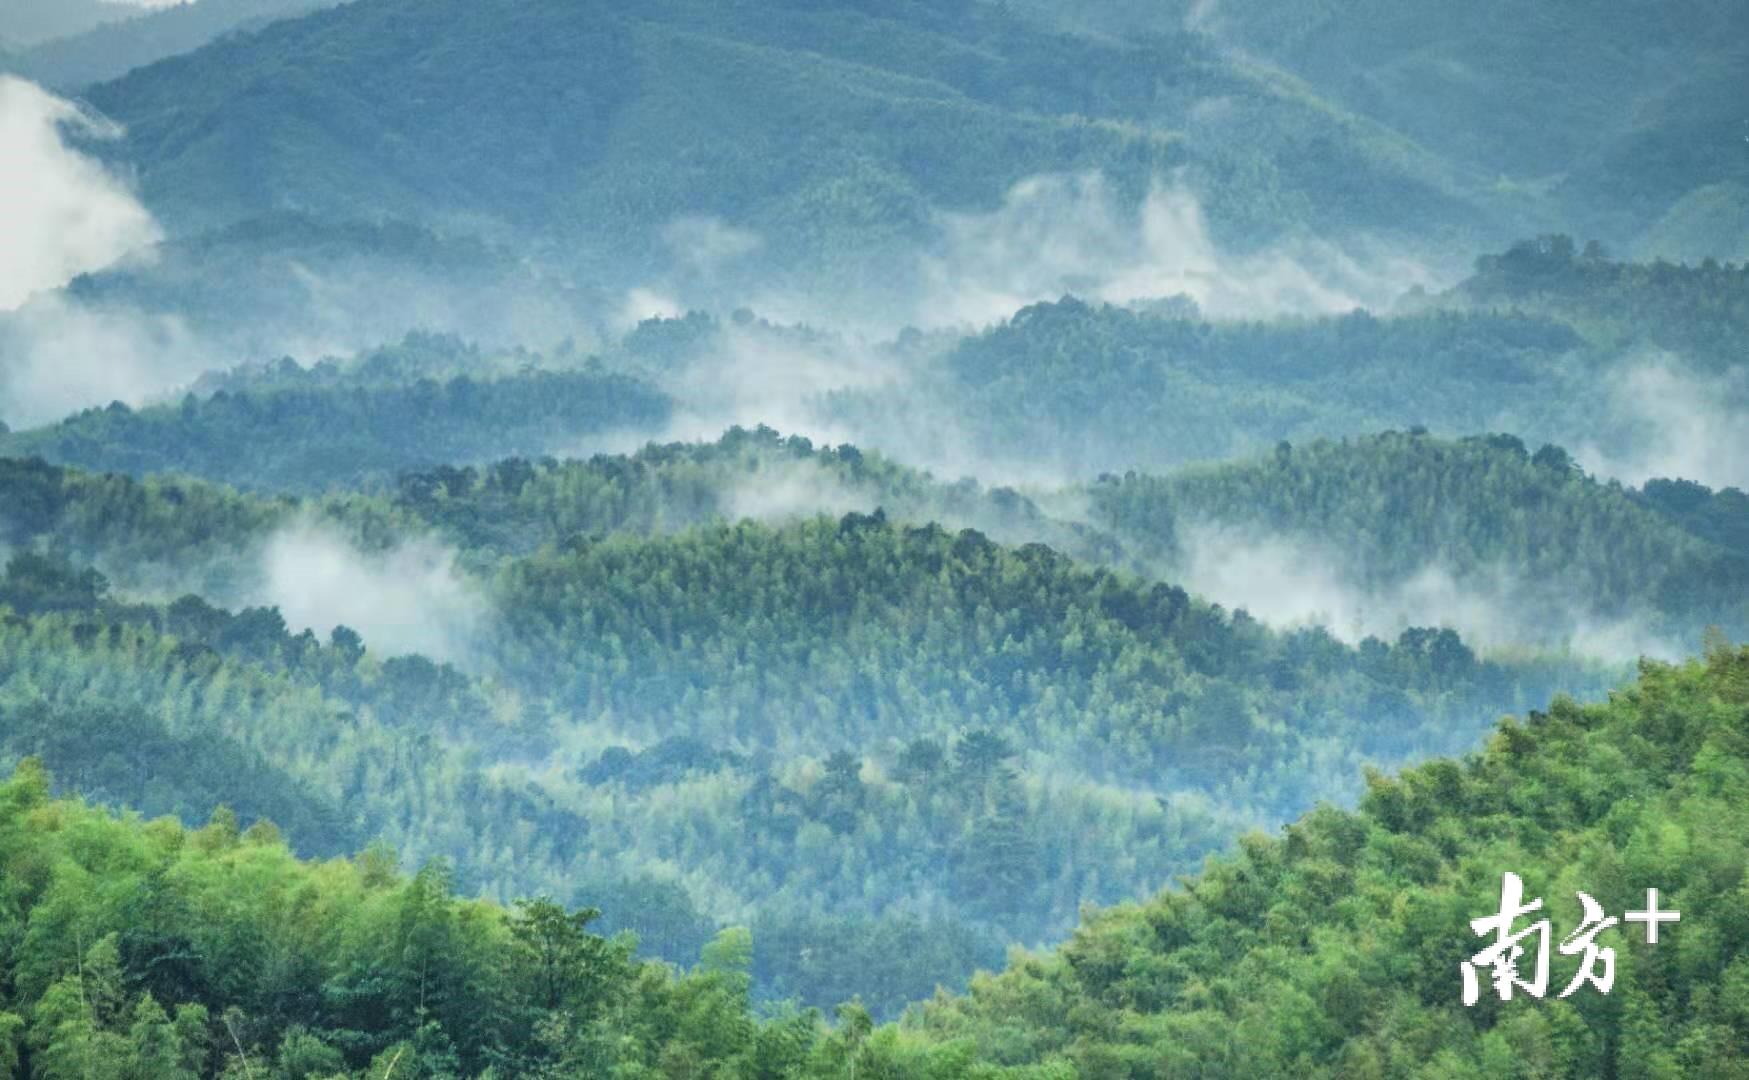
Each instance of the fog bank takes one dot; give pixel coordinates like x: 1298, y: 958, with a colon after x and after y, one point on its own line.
x: 411, y: 598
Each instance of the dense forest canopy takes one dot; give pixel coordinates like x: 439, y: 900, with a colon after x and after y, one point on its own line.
x: 1544, y: 341
x: 297, y: 437
x: 829, y: 685
x: 1700, y: 310
x: 1484, y: 512
x: 148, y: 949
x: 868, y: 538
x: 910, y: 80
x: 1329, y: 951
x: 78, y: 57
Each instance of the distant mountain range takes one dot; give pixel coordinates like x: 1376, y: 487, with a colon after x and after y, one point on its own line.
x: 29, y: 22
x: 129, y: 36
x: 1630, y: 121
x: 824, y: 129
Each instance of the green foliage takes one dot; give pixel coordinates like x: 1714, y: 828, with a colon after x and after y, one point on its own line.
x: 839, y: 732
x: 1333, y: 950
x: 1700, y: 311
x: 1383, y: 509
x: 307, y: 438
x: 1544, y: 340
x: 1089, y: 389
x: 1329, y: 951
x: 516, y: 506
x: 835, y: 130
x: 797, y: 639
x: 285, y: 970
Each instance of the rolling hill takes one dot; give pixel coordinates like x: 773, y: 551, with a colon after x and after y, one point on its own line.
x: 850, y: 695
x: 1627, y: 127
x: 116, y: 46
x: 307, y: 434
x: 1503, y: 543
x: 1334, y: 949
x: 822, y: 129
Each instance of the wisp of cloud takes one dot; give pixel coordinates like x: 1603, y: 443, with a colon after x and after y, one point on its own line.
x: 409, y: 599
x: 1674, y: 423
x: 63, y: 214
x: 1071, y: 234
x: 60, y: 211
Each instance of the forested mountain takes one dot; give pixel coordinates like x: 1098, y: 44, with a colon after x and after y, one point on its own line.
x: 1554, y: 344
x: 1099, y: 388
x: 1699, y: 311
x: 508, y: 506
x: 1630, y: 128
x: 806, y: 637
x: 1388, y: 531
x: 308, y: 434
x: 1333, y: 950
x: 1500, y: 526
x: 117, y: 46
x: 1635, y: 367
x: 831, y: 131
x: 851, y: 697
x: 846, y: 491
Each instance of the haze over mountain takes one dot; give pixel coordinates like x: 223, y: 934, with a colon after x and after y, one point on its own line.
x: 798, y: 506
x: 827, y: 131
x: 29, y: 22
x: 1627, y: 123
x: 145, y: 33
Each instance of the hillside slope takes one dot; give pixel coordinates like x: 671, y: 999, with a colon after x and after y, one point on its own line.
x: 822, y: 129
x: 1335, y: 949
x: 117, y: 46
x: 832, y: 729
x: 1625, y: 125
x: 1543, y: 550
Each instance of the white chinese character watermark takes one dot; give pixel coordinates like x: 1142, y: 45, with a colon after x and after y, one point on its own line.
x: 1583, y: 942
x: 1596, y: 964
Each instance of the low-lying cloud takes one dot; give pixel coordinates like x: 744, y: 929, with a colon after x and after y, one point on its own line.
x: 780, y: 491
x: 1053, y: 234
x: 1289, y: 582
x: 759, y: 374
x: 706, y: 244
x: 63, y: 214
x: 703, y: 253
x: 58, y: 355
x: 1671, y: 421
x: 1072, y: 234
x: 411, y: 598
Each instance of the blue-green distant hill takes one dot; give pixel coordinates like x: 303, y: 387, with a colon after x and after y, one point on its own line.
x: 1625, y: 121
x: 825, y: 128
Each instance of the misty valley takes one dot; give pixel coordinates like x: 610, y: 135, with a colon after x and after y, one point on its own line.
x: 870, y: 538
